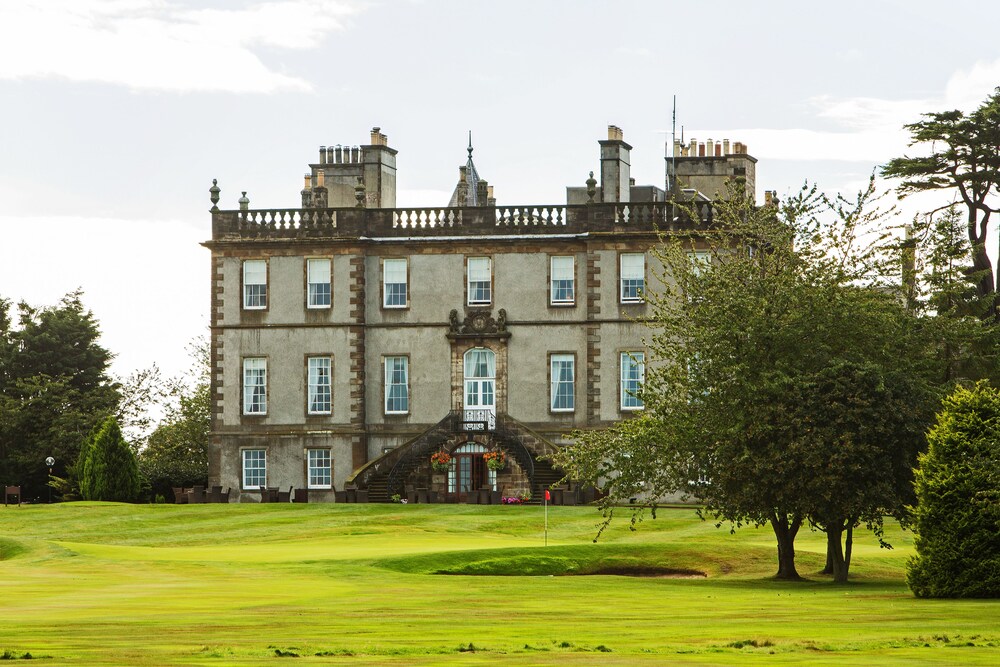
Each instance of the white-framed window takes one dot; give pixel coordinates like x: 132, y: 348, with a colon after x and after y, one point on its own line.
x: 318, y: 283
x: 633, y: 374
x: 397, y: 388
x: 254, y: 468
x: 320, y: 468
x: 394, y: 283
x: 562, y: 280
x: 563, y: 375
x: 319, y: 390
x: 632, y: 276
x: 254, y: 386
x: 701, y: 261
x: 254, y: 284
x: 480, y: 284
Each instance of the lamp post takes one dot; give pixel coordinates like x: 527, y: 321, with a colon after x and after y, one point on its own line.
x: 49, y: 461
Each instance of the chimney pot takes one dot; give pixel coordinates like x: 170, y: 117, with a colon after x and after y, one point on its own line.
x: 320, y: 178
x: 615, y: 133
x: 725, y: 146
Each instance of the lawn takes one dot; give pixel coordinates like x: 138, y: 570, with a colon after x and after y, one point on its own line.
x: 110, y: 584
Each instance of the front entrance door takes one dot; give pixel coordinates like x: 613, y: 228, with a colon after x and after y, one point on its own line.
x: 480, y: 386
x: 469, y: 473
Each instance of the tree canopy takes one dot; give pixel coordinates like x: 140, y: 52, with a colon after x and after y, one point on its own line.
x: 54, y: 388
x: 176, y: 452
x: 964, y: 158
x: 768, y: 368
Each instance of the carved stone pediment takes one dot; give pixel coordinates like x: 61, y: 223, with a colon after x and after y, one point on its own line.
x: 478, y: 323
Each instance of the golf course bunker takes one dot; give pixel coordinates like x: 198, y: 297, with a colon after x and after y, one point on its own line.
x: 656, y: 572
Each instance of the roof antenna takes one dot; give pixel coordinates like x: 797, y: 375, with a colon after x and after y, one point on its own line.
x: 470, y: 144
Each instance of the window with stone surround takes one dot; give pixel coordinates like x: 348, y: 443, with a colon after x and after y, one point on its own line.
x: 480, y: 281
x: 318, y: 287
x: 562, y: 373
x: 254, y: 284
x: 254, y: 386
x: 632, y: 276
x: 394, y: 282
x: 701, y: 261
x: 320, y: 472
x: 319, y: 385
x: 254, y: 468
x: 397, y: 389
x: 562, y: 280
x: 633, y: 374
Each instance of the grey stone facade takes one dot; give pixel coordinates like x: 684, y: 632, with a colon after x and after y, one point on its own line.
x: 353, y: 227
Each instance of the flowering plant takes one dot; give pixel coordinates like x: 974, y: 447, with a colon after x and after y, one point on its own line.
x: 495, y: 459
x: 440, y: 460
x: 519, y: 499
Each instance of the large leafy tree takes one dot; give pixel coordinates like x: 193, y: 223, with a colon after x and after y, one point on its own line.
x: 176, y: 452
x: 54, y: 388
x: 965, y: 159
x: 957, y: 516
x: 768, y: 366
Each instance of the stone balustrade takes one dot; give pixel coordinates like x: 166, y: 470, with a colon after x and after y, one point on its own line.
x: 303, y: 223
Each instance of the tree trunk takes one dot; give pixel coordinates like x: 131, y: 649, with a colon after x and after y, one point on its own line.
x: 848, y: 547
x: 784, y: 532
x: 835, y: 551
x: 981, y: 263
x: 828, y: 568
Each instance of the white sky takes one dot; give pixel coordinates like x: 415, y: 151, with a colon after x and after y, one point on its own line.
x: 115, y: 115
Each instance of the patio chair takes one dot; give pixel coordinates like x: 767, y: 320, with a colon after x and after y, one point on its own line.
x: 285, y: 496
x: 11, y: 491
x: 196, y: 495
x: 180, y: 495
x: 340, y: 496
x: 362, y: 495
x: 301, y: 496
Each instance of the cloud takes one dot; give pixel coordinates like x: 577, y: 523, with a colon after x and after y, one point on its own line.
x: 867, y: 129
x: 159, y: 45
x: 966, y: 90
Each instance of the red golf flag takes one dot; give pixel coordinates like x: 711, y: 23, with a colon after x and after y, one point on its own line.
x: 548, y: 496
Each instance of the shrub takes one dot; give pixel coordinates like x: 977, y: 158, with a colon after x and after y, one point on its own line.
x: 957, y: 517
x: 108, y: 468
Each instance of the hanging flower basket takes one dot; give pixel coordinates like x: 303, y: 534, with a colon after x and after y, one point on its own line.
x: 495, y: 459
x: 440, y: 461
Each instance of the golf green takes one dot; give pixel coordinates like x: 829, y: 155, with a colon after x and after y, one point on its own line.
x: 113, y: 584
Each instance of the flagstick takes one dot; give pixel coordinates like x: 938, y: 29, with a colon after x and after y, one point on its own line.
x: 545, y: 503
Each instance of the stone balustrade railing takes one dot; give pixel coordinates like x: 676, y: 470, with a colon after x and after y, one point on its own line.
x: 296, y: 223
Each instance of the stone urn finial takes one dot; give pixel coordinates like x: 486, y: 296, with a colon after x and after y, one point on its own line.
x: 215, y: 190
x: 244, y: 202
x: 591, y: 188
x: 359, y: 193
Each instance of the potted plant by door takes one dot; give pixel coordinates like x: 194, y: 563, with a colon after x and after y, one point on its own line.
x: 440, y: 460
x: 496, y: 459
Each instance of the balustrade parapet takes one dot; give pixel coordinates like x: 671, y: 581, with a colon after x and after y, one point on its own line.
x: 429, y: 222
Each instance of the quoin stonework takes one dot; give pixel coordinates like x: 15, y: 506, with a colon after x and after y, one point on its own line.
x: 352, y: 339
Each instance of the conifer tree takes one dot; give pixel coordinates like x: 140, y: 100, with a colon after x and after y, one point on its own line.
x: 109, y: 471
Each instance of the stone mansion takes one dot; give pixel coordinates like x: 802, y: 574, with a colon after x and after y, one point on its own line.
x: 351, y: 340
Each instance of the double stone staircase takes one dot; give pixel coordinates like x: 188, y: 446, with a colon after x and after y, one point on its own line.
x: 388, y: 474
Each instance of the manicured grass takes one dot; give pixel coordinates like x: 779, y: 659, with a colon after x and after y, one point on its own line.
x: 109, y: 584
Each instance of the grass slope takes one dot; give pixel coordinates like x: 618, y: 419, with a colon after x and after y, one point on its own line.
x: 110, y: 584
